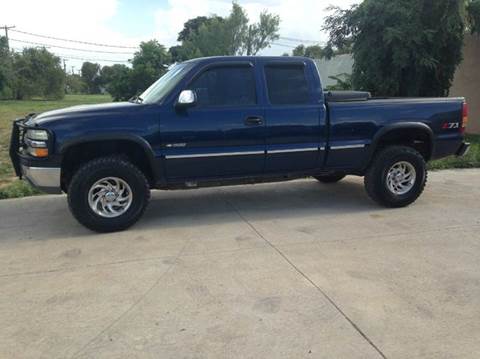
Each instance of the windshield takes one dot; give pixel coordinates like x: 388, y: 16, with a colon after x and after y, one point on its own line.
x: 165, y: 84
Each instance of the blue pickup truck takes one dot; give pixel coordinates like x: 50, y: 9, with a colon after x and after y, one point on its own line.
x: 233, y: 120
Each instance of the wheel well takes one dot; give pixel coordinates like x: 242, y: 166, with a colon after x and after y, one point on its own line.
x: 418, y: 139
x: 79, y: 154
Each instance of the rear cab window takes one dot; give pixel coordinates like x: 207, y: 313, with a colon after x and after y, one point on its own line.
x: 287, y: 84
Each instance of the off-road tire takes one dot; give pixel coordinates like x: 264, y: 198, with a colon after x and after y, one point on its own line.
x: 331, y: 178
x: 376, y: 176
x: 95, y: 170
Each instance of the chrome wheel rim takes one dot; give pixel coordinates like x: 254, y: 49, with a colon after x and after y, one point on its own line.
x: 110, y: 197
x: 401, y: 178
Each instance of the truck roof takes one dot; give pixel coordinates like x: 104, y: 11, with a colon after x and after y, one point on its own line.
x: 249, y: 58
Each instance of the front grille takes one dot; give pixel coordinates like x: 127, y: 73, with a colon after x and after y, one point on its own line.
x: 21, y: 138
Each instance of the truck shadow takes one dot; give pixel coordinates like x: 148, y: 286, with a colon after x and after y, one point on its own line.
x: 47, y: 217
x: 256, y: 202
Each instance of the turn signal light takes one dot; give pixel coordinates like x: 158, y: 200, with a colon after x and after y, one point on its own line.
x: 39, y: 152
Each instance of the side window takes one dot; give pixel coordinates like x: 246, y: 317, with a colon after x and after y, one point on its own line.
x: 287, y: 84
x: 225, y: 86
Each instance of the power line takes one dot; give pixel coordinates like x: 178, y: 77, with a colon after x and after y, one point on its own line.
x: 299, y: 40
x: 283, y: 45
x: 69, y: 57
x: 91, y: 59
x: 77, y: 41
x: 72, y: 48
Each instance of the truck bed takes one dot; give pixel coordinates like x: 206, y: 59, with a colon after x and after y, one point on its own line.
x: 358, y: 122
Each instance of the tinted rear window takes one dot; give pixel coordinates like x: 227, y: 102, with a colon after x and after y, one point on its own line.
x: 287, y: 84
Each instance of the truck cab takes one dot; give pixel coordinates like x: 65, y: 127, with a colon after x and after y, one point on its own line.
x: 252, y: 117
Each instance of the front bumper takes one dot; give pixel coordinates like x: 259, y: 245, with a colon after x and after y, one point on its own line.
x: 46, y: 179
x: 463, y: 149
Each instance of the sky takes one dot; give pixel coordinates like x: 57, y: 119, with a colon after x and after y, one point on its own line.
x: 126, y: 23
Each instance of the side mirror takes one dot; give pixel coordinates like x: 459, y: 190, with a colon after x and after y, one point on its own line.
x: 187, y: 98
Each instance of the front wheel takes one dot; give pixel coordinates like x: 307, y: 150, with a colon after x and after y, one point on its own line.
x: 108, y: 194
x: 396, y: 177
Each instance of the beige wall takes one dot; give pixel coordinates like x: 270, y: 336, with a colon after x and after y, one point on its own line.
x: 467, y: 81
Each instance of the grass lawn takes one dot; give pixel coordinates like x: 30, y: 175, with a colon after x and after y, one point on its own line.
x: 11, y: 187
x: 10, y: 110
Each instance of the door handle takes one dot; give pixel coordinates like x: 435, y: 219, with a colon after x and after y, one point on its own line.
x: 254, y: 121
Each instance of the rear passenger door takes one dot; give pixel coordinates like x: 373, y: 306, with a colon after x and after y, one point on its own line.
x: 295, y: 118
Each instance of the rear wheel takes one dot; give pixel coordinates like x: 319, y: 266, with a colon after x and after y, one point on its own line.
x: 396, y: 177
x: 331, y: 178
x: 108, y: 194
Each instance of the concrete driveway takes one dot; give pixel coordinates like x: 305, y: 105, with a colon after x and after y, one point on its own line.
x: 289, y: 270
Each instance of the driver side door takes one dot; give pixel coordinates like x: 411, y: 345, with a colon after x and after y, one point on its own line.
x: 223, y: 133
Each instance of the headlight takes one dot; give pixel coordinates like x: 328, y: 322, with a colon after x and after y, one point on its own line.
x: 36, y: 143
x: 39, y: 135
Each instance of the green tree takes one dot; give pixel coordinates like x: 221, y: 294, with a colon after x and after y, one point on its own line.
x: 473, y: 8
x: 214, y: 39
x: 299, y: 50
x: 152, y: 54
x: 344, y: 82
x: 91, y: 76
x: 148, y: 64
x: 191, y: 26
x: 74, y: 84
x: 329, y: 52
x: 106, y: 75
x: 38, y: 73
x: 232, y: 35
x: 403, y: 47
x: 176, y: 53
x: 7, y: 76
x: 189, y: 33
x: 117, y: 81
x: 262, y: 34
x: 236, y: 30
x: 313, y: 52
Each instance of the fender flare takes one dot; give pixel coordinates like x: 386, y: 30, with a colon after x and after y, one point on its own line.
x: 416, y: 126
x: 147, y: 149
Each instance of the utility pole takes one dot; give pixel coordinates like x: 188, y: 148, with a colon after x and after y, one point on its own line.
x: 5, y: 27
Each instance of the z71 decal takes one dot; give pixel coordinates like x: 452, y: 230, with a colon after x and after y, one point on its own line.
x: 451, y: 125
